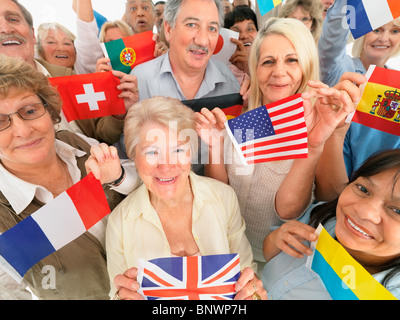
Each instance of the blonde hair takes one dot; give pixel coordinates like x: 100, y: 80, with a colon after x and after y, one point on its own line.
x: 313, y: 7
x: 161, y: 110
x: 43, y: 30
x: 122, y: 25
x: 300, y: 37
x: 358, y: 44
x: 17, y: 74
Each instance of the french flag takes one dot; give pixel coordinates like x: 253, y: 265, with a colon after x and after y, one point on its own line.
x: 53, y: 226
x: 368, y: 15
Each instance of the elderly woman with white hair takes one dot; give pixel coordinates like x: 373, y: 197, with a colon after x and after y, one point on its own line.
x: 175, y: 212
x: 352, y: 144
x: 283, y: 61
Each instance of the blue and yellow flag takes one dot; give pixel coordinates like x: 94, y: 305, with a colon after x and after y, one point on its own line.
x: 343, y: 277
x: 267, y: 5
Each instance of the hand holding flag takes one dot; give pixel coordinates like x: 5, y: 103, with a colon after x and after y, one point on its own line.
x: 189, y: 278
x: 53, y: 226
x: 270, y: 133
x: 93, y: 95
x: 332, y: 262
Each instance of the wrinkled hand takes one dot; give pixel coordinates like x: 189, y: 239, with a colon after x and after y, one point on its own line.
x: 289, y: 238
x: 104, y: 163
x: 329, y: 110
x: 248, y: 284
x: 127, y: 285
x: 103, y: 65
x: 209, y: 125
x: 160, y: 48
x: 129, y: 87
x: 240, y: 57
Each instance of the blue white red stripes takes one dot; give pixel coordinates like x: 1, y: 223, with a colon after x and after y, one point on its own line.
x: 52, y: 226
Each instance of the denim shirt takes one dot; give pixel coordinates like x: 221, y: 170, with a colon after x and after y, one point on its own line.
x: 287, y: 278
x: 333, y: 57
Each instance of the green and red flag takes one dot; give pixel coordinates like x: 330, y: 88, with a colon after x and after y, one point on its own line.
x: 128, y: 52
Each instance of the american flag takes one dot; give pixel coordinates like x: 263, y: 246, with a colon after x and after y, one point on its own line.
x: 273, y: 132
x: 210, y: 277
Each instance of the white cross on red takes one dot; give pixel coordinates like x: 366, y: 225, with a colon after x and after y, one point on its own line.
x: 91, y: 97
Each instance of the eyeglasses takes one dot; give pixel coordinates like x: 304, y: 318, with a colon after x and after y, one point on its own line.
x: 31, y: 112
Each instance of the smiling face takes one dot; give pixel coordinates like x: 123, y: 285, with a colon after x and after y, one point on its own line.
x: 194, y: 36
x: 26, y: 143
x: 278, y: 71
x: 58, y: 48
x: 368, y: 219
x: 17, y: 39
x: 162, y: 162
x: 247, y: 32
x: 381, y: 43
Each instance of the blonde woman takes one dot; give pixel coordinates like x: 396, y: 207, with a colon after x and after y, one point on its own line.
x: 283, y: 61
x: 309, y: 12
x: 55, y: 44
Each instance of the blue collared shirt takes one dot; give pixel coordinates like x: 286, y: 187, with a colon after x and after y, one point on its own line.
x: 155, y: 78
x: 287, y: 278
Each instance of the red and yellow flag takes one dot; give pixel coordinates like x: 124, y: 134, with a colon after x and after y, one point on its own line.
x: 379, y: 107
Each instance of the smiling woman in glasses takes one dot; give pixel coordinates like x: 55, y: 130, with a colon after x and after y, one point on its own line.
x: 36, y: 165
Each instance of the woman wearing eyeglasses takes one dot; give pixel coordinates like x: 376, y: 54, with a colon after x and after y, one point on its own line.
x: 309, y: 12
x: 36, y: 165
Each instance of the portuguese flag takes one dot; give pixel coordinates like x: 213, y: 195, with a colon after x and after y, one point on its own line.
x: 128, y: 52
x: 379, y: 107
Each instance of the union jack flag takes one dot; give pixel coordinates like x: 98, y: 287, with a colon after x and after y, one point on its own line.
x: 210, y: 277
x: 273, y: 132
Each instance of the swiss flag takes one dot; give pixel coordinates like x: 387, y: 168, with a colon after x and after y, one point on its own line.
x: 87, y: 96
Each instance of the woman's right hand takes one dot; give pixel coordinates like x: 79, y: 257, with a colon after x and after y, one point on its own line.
x: 127, y: 286
x: 210, y: 125
x: 289, y: 238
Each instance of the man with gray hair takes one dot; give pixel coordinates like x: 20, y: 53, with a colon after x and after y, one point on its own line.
x: 187, y: 71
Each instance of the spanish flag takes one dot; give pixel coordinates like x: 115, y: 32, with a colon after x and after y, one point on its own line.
x: 230, y: 104
x: 342, y: 275
x: 128, y: 52
x: 379, y: 107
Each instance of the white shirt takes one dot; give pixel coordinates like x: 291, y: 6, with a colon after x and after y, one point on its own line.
x: 21, y: 194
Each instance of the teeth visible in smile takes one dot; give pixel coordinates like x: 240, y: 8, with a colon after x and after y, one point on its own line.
x: 358, y: 229
x: 166, y: 180
x: 11, y: 42
x: 60, y: 56
x: 380, y: 47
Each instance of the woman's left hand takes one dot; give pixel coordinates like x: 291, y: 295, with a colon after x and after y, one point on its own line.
x: 330, y: 109
x: 129, y: 87
x: 249, y: 287
x: 104, y: 163
x: 160, y: 48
